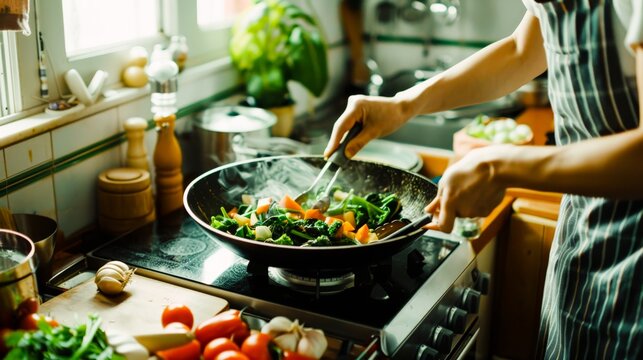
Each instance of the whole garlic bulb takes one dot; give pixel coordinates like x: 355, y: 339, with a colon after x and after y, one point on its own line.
x: 112, y: 277
x: 293, y: 336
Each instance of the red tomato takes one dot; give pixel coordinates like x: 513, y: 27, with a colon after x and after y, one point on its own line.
x: 27, y: 306
x: 227, y: 324
x: 177, y: 313
x: 217, y: 346
x: 291, y: 355
x: 30, y: 322
x: 176, y: 326
x: 257, y: 346
x: 189, y: 351
x: 232, y: 355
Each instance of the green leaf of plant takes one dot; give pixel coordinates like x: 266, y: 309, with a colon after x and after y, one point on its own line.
x: 308, y: 60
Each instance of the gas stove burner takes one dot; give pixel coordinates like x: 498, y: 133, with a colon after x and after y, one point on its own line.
x: 183, y: 246
x: 323, y: 282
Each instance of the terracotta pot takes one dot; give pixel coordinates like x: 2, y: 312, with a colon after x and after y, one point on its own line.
x: 285, y: 120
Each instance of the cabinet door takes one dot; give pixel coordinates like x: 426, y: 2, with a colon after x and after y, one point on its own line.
x: 521, y: 274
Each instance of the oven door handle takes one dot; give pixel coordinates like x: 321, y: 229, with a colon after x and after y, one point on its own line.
x: 470, y: 343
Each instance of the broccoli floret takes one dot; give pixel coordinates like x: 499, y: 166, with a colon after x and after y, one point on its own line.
x: 284, y: 240
x: 322, y: 240
x: 334, y: 228
x: 245, y: 232
x: 223, y: 223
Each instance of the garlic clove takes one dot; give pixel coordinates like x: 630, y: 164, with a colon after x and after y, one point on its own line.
x: 110, y: 286
x: 108, y: 272
x: 287, y: 341
x: 313, y: 343
x: 113, y: 267
x: 121, y: 265
x: 278, y: 325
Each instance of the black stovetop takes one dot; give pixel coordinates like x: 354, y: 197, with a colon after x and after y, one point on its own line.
x: 175, y: 245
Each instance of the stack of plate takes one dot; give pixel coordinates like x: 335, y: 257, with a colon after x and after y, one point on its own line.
x: 391, y: 154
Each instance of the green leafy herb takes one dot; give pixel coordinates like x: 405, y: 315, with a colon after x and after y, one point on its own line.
x: 86, y: 341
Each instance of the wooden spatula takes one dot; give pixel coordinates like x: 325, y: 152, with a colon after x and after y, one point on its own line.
x: 6, y: 219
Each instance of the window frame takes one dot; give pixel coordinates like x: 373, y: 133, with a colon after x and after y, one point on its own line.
x: 205, y: 45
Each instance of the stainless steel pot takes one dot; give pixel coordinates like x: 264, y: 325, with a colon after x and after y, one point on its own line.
x: 42, y: 231
x: 17, y: 280
x: 222, y: 131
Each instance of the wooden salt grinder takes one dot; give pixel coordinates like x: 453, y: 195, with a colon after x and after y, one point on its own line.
x: 167, y: 164
x: 136, y: 154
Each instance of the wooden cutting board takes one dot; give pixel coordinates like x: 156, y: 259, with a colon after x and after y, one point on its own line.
x: 135, y: 311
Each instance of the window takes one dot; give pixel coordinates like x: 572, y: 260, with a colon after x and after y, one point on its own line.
x: 8, y: 75
x: 91, y: 35
x: 92, y: 25
x: 218, y: 13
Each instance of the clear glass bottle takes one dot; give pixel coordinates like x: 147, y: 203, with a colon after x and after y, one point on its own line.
x: 468, y: 228
x: 168, y: 160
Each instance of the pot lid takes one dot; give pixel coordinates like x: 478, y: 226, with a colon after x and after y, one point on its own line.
x: 236, y: 119
x: 391, y: 154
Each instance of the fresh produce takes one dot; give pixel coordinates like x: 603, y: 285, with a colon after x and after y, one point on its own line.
x: 232, y: 355
x: 217, y: 346
x: 189, y: 351
x: 112, y: 277
x: 259, y: 346
x: 226, y: 324
x: 350, y: 219
x: 86, y: 341
x: 499, y: 130
x: 177, y: 313
x: 30, y: 321
x: 294, y: 337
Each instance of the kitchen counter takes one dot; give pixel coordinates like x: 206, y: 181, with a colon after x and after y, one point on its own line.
x: 540, y: 119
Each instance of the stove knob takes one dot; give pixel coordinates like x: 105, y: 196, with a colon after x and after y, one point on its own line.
x: 482, y: 283
x: 470, y: 300
x: 427, y: 353
x: 456, y: 320
x: 442, y: 339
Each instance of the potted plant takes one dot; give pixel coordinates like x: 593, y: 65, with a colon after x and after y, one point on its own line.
x: 272, y: 43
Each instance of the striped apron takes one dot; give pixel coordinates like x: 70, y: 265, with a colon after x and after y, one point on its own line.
x: 592, y: 299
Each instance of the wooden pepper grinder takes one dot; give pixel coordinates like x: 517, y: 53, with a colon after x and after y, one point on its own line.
x: 136, y: 153
x: 167, y: 153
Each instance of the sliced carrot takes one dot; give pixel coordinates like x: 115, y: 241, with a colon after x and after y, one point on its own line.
x: 331, y: 219
x: 288, y: 203
x: 347, y: 227
x: 314, y: 214
x: 362, y: 234
x: 349, y: 216
x: 263, y: 205
x: 233, y: 211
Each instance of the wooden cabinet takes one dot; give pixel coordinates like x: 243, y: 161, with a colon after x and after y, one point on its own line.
x: 520, y: 272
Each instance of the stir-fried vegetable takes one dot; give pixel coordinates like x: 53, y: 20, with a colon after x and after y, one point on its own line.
x: 350, y: 220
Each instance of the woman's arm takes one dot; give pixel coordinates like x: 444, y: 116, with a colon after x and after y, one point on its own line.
x: 490, y: 73
x: 609, y: 166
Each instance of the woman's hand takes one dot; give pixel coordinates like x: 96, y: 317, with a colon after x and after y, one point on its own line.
x: 468, y: 188
x: 380, y: 116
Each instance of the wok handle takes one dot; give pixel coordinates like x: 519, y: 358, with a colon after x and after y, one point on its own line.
x: 411, y: 227
x: 339, y: 156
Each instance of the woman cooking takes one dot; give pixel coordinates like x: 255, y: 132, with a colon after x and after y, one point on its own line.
x: 593, y: 53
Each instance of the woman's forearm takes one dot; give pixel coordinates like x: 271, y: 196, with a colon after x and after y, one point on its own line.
x: 492, y: 72
x: 609, y: 166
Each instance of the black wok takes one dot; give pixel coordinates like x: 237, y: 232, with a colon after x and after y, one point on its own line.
x: 274, y: 176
